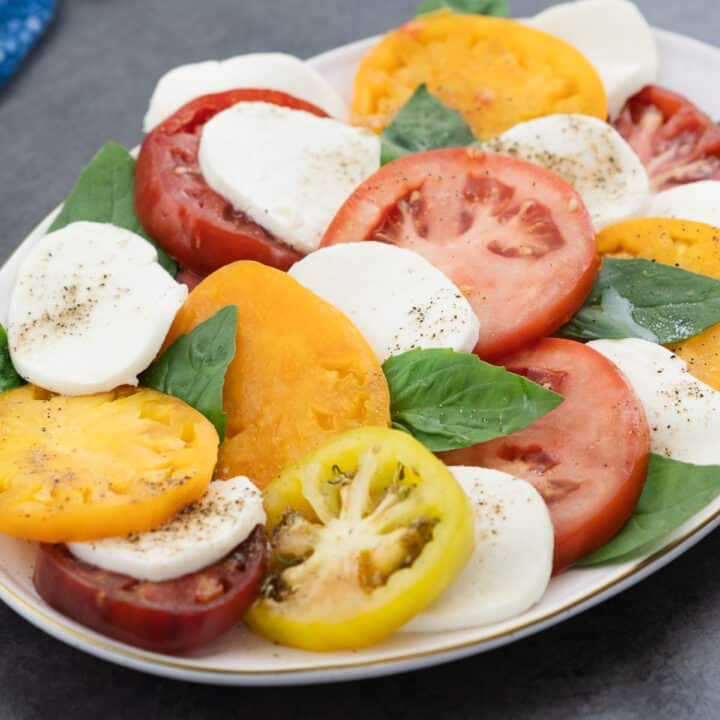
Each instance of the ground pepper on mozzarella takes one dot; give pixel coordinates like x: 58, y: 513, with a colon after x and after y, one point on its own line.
x: 589, y: 155
x: 198, y: 536
x: 397, y: 299
x: 682, y: 411
x: 90, y: 309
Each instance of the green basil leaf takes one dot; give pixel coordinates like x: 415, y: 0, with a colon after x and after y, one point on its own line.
x: 104, y: 192
x: 644, y: 299
x: 449, y: 400
x: 674, y: 491
x: 499, y: 8
x: 423, y: 123
x: 193, y: 368
x: 9, y: 377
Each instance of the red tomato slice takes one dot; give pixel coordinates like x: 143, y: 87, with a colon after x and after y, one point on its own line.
x: 188, y: 277
x: 167, y: 617
x: 175, y: 205
x: 588, y: 457
x: 514, y: 237
x: 676, y: 141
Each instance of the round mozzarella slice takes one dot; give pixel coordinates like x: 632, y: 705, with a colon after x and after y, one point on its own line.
x: 590, y: 155
x: 289, y: 170
x: 198, y: 536
x: 512, y: 562
x: 266, y: 71
x: 614, y: 36
x: 683, y: 413
x: 697, y: 201
x: 396, y: 298
x: 90, y: 309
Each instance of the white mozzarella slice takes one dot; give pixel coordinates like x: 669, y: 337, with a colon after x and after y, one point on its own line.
x: 590, y: 155
x: 614, y: 36
x: 511, y: 565
x: 90, y: 309
x: 395, y: 297
x: 289, y: 170
x: 697, y: 201
x: 264, y: 71
x: 198, y: 536
x: 683, y: 413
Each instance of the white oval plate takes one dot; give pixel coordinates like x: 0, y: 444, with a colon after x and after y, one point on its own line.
x: 242, y: 658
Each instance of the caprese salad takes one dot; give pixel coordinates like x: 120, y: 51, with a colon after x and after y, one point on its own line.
x: 346, y: 371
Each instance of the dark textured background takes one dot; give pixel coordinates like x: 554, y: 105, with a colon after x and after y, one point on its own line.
x: 653, y: 652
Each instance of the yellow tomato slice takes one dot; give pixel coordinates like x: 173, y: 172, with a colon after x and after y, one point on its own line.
x: 302, y: 372
x: 366, y: 532
x: 495, y: 72
x: 83, y: 468
x: 689, y: 245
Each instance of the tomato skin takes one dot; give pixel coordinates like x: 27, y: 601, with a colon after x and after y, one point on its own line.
x: 515, y: 238
x: 587, y: 458
x: 675, y: 140
x: 175, y: 205
x: 162, y: 617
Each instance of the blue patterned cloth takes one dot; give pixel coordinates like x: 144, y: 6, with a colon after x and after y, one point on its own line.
x: 21, y: 24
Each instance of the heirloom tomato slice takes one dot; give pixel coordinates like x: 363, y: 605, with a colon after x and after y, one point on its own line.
x: 365, y: 532
x: 94, y: 466
x: 302, y: 372
x: 171, y: 616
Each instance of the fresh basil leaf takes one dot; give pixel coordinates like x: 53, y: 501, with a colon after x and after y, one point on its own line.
x: 499, y: 8
x: 449, y: 400
x: 9, y: 377
x: 423, y: 123
x: 674, y: 491
x: 193, y: 368
x: 104, y: 192
x: 644, y: 299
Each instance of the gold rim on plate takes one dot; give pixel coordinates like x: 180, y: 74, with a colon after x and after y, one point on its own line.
x: 29, y: 609
x: 139, y: 656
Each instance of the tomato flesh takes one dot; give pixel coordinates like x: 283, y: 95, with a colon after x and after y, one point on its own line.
x: 85, y: 467
x: 587, y: 458
x: 167, y: 617
x: 515, y: 238
x: 302, y: 372
x: 676, y: 141
x: 188, y: 219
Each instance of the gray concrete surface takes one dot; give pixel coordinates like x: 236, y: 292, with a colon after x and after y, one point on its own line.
x: 653, y: 652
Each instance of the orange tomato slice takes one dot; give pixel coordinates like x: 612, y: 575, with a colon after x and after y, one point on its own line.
x: 690, y: 245
x: 94, y: 466
x: 495, y: 72
x: 302, y: 372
